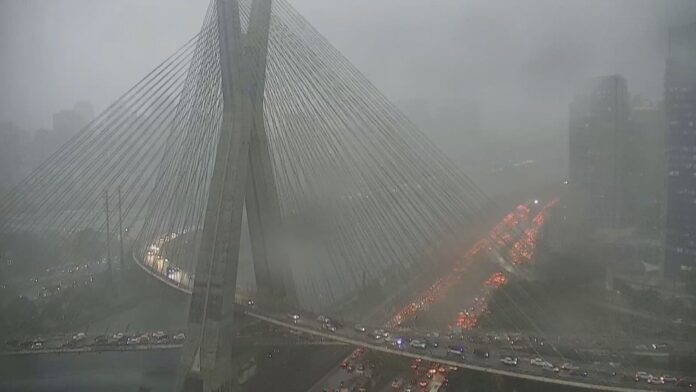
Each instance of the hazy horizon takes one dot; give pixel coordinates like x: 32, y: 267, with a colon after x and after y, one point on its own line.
x: 518, y: 64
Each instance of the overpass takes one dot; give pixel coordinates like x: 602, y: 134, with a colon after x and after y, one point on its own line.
x: 439, y: 355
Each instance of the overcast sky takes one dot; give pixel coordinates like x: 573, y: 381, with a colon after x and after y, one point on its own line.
x: 519, y: 59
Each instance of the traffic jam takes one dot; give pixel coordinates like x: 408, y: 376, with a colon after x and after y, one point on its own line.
x: 462, y: 342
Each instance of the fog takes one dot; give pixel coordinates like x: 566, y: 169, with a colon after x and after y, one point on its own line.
x: 517, y: 60
x: 488, y: 81
x: 569, y: 235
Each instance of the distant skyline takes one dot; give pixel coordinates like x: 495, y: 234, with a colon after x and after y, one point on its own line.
x: 520, y: 61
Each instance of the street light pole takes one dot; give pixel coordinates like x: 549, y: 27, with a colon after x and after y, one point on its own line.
x: 108, y: 234
x: 120, y: 230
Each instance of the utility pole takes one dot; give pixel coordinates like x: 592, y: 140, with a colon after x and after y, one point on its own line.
x: 108, y: 233
x: 120, y: 231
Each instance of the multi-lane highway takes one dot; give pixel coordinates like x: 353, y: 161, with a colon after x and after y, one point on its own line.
x: 586, y: 376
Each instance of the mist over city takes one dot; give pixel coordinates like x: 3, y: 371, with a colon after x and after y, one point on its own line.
x: 324, y: 196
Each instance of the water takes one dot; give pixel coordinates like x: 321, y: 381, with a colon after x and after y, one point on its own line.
x: 108, y: 371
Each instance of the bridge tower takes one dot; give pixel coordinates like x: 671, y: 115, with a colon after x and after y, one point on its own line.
x: 242, y: 175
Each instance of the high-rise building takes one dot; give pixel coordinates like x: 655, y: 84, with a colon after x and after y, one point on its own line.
x: 68, y: 122
x: 12, y: 142
x: 680, y: 111
x: 85, y: 110
x: 644, y: 170
x: 598, y: 127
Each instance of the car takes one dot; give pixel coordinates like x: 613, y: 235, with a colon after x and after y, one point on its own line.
x: 642, y: 376
x: 159, y: 335
x: 510, y: 361
x: 655, y: 380
x: 669, y: 379
x: 161, y: 338
x: 79, y: 336
x: 37, y: 346
x: 360, y: 328
x: 26, y: 344
x: 336, y: 323
x: 661, y: 347
x: 117, y: 336
x: 457, y: 351
x: 419, y: 344
x: 392, y: 340
x: 376, y: 335
x: 323, y: 319
x: 514, y: 339
x: 481, y: 353
x: 345, y: 364
x: 409, y: 388
x: 537, y: 362
x: 569, y: 366
x: 360, y: 369
x: 251, y: 303
x: 328, y: 327
x: 423, y: 383
x: 432, y: 343
x: 397, y: 383
x: 294, y: 317
x: 549, y: 367
x: 179, y: 337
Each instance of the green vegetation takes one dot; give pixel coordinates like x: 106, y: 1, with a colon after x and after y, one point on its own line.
x: 651, y: 301
x: 66, y: 311
x: 563, y: 285
x: 691, y: 283
x: 27, y: 253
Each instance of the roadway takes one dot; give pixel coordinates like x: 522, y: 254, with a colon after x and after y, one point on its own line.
x: 491, y: 365
x: 52, y: 280
x: 135, y: 342
x: 470, y: 268
x: 502, y: 232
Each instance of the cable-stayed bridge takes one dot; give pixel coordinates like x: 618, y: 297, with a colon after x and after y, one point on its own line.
x: 256, y: 119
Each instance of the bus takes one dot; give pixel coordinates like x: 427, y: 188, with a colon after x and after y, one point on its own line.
x: 436, y: 384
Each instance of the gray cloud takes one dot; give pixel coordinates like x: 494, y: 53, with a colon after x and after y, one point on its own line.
x: 520, y: 60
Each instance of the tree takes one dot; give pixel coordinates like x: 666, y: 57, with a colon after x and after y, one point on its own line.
x: 87, y: 245
x: 691, y: 283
